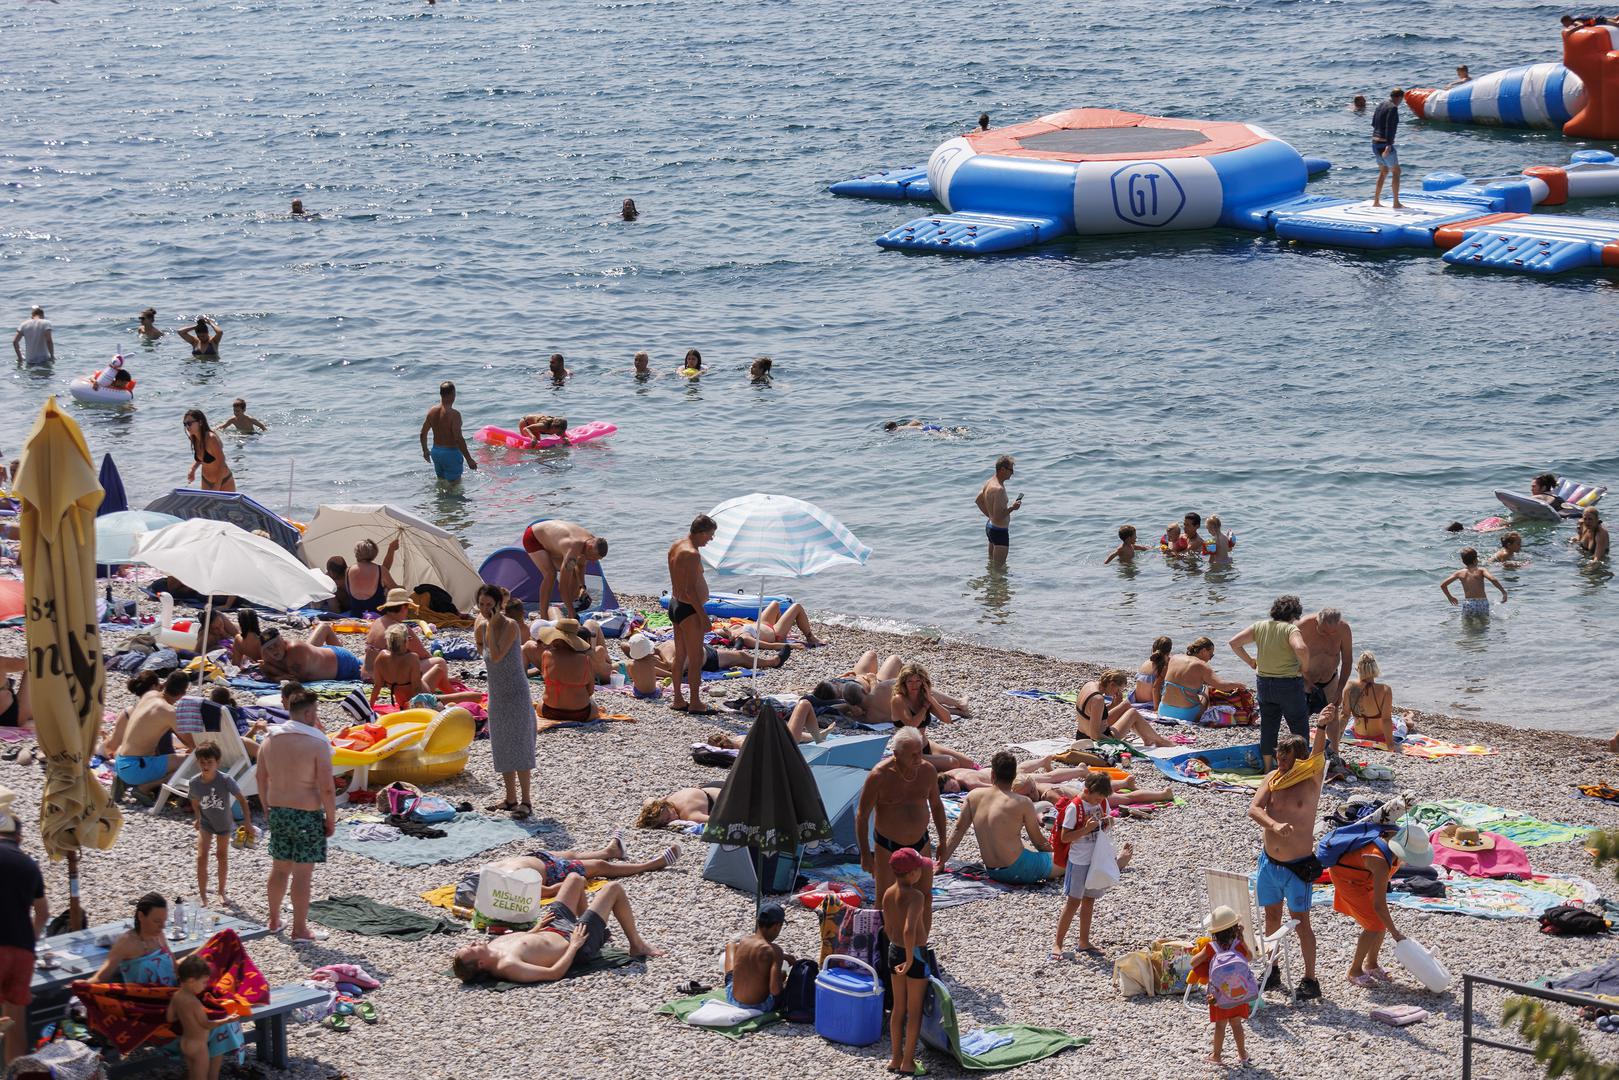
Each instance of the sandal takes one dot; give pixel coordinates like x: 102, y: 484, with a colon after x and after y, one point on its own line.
x: 505, y: 806
x: 691, y: 988
x: 1365, y: 982
x: 679, y: 706
x: 706, y: 710
x: 339, y: 1022
x: 365, y: 1011
x: 522, y: 812
x: 1380, y: 975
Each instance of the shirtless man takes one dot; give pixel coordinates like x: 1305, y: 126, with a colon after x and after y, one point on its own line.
x: 1000, y: 818
x: 142, y: 743
x: 288, y: 658
x: 294, y: 775
x: 1330, y: 641
x: 568, y: 931
x: 561, y: 550
x: 898, y: 797
x: 688, y: 592
x: 449, y: 446
x: 753, y: 964
x: 1285, y: 807
x: 993, y: 505
x: 394, y: 612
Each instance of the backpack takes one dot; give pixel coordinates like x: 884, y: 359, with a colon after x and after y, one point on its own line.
x: 434, y: 598
x: 797, y: 1005
x: 1059, y: 846
x: 1346, y: 838
x: 1231, y: 980
x: 1571, y: 920
x: 432, y: 809
x: 398, y: 797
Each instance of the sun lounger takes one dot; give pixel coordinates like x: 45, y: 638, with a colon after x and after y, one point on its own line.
x: 1266, y: 951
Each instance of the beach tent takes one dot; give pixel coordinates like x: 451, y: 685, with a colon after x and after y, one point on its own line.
x: 839, y: 787
x: 860, y: 751
x: 241, y: 511
x: 514, y: 571
x: 427, y: 555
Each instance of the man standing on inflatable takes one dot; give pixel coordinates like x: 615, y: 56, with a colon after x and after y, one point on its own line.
x: 561, y: 550
x: 1385, y: 122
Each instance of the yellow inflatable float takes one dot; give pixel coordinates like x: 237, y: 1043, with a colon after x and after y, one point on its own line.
x: 420, y: 748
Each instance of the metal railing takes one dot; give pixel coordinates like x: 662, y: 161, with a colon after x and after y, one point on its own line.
x: 1469, y: 1040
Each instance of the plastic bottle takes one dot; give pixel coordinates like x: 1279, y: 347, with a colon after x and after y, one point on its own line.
x: 177, y: 920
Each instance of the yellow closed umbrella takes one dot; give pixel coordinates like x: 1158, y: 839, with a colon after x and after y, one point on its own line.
x: 60, y: 492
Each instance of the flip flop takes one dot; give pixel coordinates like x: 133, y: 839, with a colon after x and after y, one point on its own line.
x: 670, y: 855
x: 365, y: 1011
x: 691, y: 987
x: 338, y: 1022
x: 679, y: 706
x: 523, y: 812
x: 704, y: 711
x: 502, y: 807
x: 1365, y: 982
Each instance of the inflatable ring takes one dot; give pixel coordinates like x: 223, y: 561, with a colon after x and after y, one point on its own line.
x: 814, y: 896
x: 86, y: 391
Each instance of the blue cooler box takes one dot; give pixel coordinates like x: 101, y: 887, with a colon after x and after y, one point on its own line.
x: 848, y: 1002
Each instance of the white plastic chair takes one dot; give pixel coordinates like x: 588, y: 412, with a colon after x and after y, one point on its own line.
x: 1266, y: 951
x: 233, y: 762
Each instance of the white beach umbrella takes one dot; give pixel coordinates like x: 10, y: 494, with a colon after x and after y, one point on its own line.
x: 427, y: 554
x: 218, y: 558
x: 778, y: 536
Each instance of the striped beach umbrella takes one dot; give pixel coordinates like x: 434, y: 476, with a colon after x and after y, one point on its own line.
x: 777, y: 536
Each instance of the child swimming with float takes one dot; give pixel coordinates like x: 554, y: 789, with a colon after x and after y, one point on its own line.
x: 1126, y: 551
x: 1472, y: 576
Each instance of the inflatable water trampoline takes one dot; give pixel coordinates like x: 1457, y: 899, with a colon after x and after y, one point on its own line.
x: 1088, y: 172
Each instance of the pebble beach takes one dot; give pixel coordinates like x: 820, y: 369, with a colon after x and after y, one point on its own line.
x: 994, y: 952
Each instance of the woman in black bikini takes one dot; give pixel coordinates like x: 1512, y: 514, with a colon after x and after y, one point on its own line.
x: 14, y: 707
x: 913, y: 704
x: 1096, y: 718
x: 201, y: 342
x: 207, y: 454
x: 687, y: 804
x: 1370, y: 704
x: 366, y: 582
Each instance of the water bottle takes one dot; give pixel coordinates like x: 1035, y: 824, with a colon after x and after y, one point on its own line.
x: 177, y: 920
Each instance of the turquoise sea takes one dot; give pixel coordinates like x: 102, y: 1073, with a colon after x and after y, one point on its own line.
x: 466, y: 162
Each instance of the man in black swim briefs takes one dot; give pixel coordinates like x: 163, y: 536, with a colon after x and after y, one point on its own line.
x: 992, y: 504
x: 899, y: 797
x: 688, y: 592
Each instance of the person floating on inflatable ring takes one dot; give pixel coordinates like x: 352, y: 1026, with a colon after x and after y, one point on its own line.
x: 113, y: 376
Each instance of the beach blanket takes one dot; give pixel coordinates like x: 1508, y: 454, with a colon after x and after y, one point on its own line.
x: 1223, y: 768
x: 465, y: 836
x: 606, y: 960
x: 325, y: 689
x: 543, y: 724
x: 362, y: 915
x: 130, y: 1015
x: 1521, y: 829
x: 1428, y: 747
x: 1490, y: 898
x: 1069, y: 697
x: 1003, y: 1046
x: 949, y: 889
x: 680, y: 1008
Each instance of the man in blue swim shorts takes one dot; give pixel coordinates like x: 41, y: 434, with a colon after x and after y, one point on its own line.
x: 753, y: 964
x: 1000, y: 818
x: 286, y: 658
x: 449, y: 450
x: 1385, y: 122
x: 993, y: 505
x: 1285, y: 807
x: 142, y: 744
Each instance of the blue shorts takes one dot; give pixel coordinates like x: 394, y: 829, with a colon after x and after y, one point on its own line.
x: 1031, y: 868
x: 1476, y: 606
x: 135, y: 769
x: 1277, y: 883
x: 767, y: 1005
x: 1387, y: 156
x: 998, y: 536
x: 348, y: 665
x: 448, y: 462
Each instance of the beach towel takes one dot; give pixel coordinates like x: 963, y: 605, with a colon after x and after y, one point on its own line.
x: 1505, y: 860
x: 1489, y: 898
x: 1428, y: 747
x: 1069, y: 697
x: 605, y: 960
x: 325, y: 689
x: 680, y: 1008
x: 130, y: 1015
x: 1521, y: 829
x: 949, y: 890
x: 1002, y: 1046
x: 467, y: 835
x: 363, y: 915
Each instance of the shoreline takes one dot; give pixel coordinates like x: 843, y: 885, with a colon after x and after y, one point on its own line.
x: 993, y: 951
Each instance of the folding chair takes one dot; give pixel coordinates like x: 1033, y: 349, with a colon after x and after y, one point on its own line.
x: 233, y: 762
x: 1266, y: 951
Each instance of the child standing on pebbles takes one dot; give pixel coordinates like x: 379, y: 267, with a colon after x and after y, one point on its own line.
x: 1080, y: 827
x: 1232, y: 986
x: 211, y: 793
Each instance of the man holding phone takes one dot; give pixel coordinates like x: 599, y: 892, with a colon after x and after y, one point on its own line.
x: 992, y: 503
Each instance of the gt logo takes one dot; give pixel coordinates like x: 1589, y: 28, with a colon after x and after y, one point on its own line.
x: 1146, y: 193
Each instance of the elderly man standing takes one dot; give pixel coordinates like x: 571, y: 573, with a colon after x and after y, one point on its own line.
x: 295, y: 785
x: 1283, y: 658
x: 899, y: 796
x: 1331, y: 643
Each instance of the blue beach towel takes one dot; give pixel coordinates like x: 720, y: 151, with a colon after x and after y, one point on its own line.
x: 469, y: 835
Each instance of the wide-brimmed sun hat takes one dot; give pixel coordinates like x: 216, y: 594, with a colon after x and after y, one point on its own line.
x: 565, y: 631
x: 639, y: 646
x: 1411, y: 846
x: 1464, y: 838
x: 396, y: 598
x: 1223, y: 917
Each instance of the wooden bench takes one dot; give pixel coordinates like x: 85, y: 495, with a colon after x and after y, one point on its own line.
x: 269, y: 1033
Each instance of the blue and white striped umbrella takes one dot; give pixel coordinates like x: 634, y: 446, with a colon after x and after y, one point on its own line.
x: 777, y: 536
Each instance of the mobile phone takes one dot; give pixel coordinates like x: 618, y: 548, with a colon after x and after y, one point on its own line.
x: 1020, y: 496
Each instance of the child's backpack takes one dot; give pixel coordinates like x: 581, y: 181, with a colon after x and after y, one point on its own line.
x: 797, y: 1005
x: 1346, y: 838
x: 1231, y: 980
x: 1059, y: 846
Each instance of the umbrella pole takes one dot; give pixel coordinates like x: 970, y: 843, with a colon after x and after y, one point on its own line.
x: 758, y: 881
x: 758, y: 624
x: 75, y: 913
x: 202, y: 640
x: 290, y: 466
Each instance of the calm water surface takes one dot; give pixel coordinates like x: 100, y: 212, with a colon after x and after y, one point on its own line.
x: 466, y: 163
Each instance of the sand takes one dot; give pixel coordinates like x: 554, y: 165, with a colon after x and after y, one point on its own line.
x: 995, y: 952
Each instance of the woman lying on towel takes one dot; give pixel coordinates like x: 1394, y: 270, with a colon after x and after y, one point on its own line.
x: 687, y: 804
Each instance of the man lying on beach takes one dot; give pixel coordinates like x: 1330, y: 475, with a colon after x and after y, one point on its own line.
x: 753, y: 964
x: 568, y: 932
x: 449, y: 450
x: 555, y: 866
x: 718, y: 659
x: 301, y: 661
x: 1042, y: 781
x: 561, y: 550
x: 1000, y: 818
x: 688, y: 804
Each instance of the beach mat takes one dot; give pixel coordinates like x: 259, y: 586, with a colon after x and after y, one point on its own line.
x: 1488, y: 898
x: 467, y: 835
x: 1520, y: 828
x: 606, y: 960
x: 680, y: 1008
x: 949, y: 890
x: 1428, y: 748
x: 362, y: 915
x: 444, y: 895
x: 543, y: 725
x: 1018, y: 1044
x: 1231, y: 768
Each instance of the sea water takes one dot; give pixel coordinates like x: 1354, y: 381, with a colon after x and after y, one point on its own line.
x: 464, y: 163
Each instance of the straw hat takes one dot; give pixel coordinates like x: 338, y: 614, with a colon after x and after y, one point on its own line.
x: 1464, y: 838
x: 396, y: 598
x: 1410, y: 845
x: 639, y: 646
x: 8, y: 820
x: 565, y: 631
x: 1221, y: 918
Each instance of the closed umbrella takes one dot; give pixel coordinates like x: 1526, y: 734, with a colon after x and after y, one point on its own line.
x: 218, y: 559
x: 778, y: 536
x: 59, y: 491
x: 427, y: 554
x: 117, y: 533
x: 770, y: 803
x: 113, y: 498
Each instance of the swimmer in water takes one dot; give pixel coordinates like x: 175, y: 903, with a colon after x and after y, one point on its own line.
x: 148, y: 328
x: 693, y: 364
x: 924, y: 427
x: 1507, y: 554
x: 242, y: 422
x: 629, y: 212
x: 297, y: 208
x: 983, y: 121
x: 559, y: 369
x: 759, y: 372
x: 539, y: 425
x: 202, y: 343
x: 1126, y: 551
x: 1359, y: 104
x: 641, y: 366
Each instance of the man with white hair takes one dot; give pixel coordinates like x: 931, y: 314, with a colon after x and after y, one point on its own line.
x: 23, y: 914
x: 1331, y: 643
x: 902, y: 792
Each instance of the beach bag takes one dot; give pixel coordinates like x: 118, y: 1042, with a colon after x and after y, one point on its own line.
x: 1104, y: 864
x: 798, y: 992
x: 1134, y: 976
x: 1172, y: 962
x: 434, y: 598
x: 1346, y: 838
x: 1231, y: 980
x: 1569, y: 920
x: 1244, y: 710
x: 509, y: 897
x: 398, y: 797
x: 432, y: 810
x: 1218, y: 716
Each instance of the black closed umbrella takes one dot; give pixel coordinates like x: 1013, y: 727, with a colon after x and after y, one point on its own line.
x: 770, y: 803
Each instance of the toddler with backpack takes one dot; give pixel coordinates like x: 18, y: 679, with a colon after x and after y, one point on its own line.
x: 1232, y: 986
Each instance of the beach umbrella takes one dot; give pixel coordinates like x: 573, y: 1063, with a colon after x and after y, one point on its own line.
x: 427, y: 554
x: 770, y: 803
x: 218, y: 559
x: 777, y: 536
x: 113, y: 498
x: 60, y: 492
x: 240, y: 510
x: 117, y: 534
